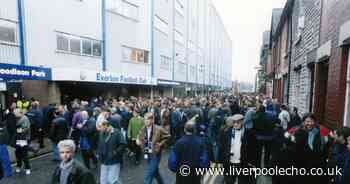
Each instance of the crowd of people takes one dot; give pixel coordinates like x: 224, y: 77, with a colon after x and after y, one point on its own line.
x: 218, y: 130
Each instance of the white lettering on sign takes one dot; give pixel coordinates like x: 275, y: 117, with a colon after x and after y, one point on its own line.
x: 38, y: 73
x: 109, y: 77
x: 14, y: 71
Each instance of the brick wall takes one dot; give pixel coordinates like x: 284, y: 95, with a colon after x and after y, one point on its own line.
x: 304, y: 51
x: 335, y: 13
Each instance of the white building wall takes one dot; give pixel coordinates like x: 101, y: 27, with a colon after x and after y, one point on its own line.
x: 192, y: 36
x: 123, y: 31
x: 180, y: 38
x: 44, y: 19
x: 163, y: 39
x: 9, y: 52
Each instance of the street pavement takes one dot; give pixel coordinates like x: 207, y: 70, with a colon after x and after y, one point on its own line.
x: 43, y: 167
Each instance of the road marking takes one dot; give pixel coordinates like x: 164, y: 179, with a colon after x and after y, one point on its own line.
x: 35, y: 158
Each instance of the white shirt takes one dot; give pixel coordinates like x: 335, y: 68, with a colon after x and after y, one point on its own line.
x: 149, y: 131
x: 236, y: 144
x: 285, y: 119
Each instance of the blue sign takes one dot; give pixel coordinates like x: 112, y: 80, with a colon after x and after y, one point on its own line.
x: 19, y: 72
x: 168, y: 83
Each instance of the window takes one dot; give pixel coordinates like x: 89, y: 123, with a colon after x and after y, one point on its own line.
x: 179, y: 6
x: 181, y: 67
x: 179, y: 37
x: 78, y: 45
x: 160, y: 24
x: 123, y: 7
x: 87, y: 47
x: 134, y: 55
x: 193, y: 70
x: 130, y: 10
x: 97, y: 48
x: 8, y: 32
x: 179, y: 21
x: 62, y: 43
x: 165, y: 62
x: 201, y: 68
x: 75, y: 45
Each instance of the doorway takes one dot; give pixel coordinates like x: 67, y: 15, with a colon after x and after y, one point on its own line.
x: 347, y: 102
x: 322, y: 80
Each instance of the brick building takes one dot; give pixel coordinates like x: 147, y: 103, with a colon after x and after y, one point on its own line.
x: 270, y: 72
x: 264, y: 56
x: 331, y: 102
x: 281, y: 44
x: 305, y: 40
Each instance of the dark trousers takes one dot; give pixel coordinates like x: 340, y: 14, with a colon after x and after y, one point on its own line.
x: 230, y: 178
x: 22, y: 156
x: 75, y: 136
x: 135, y: 149
x: 1, y: 171
x: 41, y: 138
x: 264, y: 145
x: 87, y: 156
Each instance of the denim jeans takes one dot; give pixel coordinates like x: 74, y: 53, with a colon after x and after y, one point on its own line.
x: 152, y: 171
x: 5, y: 161
x: 110, y: 174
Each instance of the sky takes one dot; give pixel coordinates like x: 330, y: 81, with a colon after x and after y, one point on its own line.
x: 245, y: 21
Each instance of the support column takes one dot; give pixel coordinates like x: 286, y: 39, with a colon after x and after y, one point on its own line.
x: 54, y: 93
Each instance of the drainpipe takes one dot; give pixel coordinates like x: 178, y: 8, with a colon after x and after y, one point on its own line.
x: 152, y: 38
x: 104, y: 26
x: 22, y: 35
x: 290, y: 52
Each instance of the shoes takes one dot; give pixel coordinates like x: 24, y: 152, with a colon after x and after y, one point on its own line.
x: 18, y: 170
x: 27, y: 171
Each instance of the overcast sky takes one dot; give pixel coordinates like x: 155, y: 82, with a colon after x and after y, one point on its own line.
x: 245, y: 21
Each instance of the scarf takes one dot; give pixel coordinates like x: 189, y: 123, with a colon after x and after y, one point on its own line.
x: 66, y: 168
x: 234, y: 132
x: 148, y: 141
x: 312, y: 136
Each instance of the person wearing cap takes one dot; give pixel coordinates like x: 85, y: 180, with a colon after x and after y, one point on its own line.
x: 188, y: 151
x: 237, y: 149
x: 110, y: 148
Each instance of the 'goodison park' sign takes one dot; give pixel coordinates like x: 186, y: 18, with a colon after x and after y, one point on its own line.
x: 19, y: 72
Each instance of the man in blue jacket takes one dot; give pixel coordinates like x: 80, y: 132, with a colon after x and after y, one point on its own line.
x: 189, y: 152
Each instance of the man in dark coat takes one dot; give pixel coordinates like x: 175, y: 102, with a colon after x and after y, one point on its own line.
x: 71, y: 171
x: 59, y: 130
x: 237, y: 149
x: 11, y: 121
x: 188, y: 151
